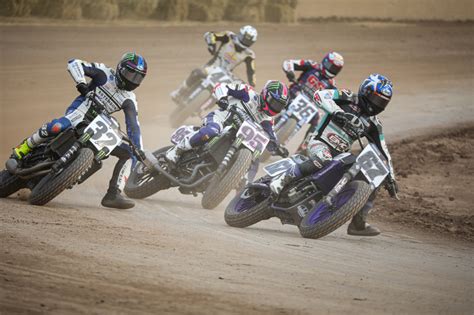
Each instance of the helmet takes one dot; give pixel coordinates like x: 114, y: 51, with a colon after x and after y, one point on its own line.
x: 131, y: 71
x: 375, y: 93
x: 274, y: 97
x: 332, y: 63
x: 247, y: 36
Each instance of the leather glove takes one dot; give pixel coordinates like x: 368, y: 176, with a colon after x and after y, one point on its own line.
x: 82, y: 88
x: 223, y: 103
x: 340, y: 117
x: 291, y: 76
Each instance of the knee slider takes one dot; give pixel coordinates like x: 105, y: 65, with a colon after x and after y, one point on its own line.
x: 56, y: 126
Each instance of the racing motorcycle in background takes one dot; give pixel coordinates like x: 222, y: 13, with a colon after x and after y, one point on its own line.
x: 214, y: 169
x: 318, y: 203
x: 200, y: 100
x: 66, y: 159
x: 300, y: 112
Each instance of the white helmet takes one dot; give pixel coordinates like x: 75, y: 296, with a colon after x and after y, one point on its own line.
x: 248, y: 36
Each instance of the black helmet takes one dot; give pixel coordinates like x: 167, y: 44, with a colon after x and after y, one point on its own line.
x: 131, y: 71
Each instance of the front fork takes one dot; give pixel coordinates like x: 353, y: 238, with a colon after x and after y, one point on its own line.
x: 63, y: 160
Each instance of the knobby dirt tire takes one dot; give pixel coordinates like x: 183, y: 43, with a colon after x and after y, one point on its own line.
x: 51, y: 186
x: 156, y: 183
x: 10, y: 184
x: 219, y: 188
x: 340, y: 216
x: 282, y: 135
x: 181, y: 113
x: 248, y: 217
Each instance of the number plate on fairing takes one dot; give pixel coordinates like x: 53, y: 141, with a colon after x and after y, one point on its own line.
x: 253, y: 136
x: 372, y: 165
x: 104, y: 134
x: 302, y: 108
x: 279, y: 167
x: 181, y: 132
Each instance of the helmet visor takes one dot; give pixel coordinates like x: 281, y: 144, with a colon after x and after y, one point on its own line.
x: 246, y: 40
x: 331, y: 69
x: 378, y: 102
x: 131, y: 76
x: 273, y: 106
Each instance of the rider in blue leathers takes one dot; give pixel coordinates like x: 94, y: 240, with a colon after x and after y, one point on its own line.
x: 114, y: 88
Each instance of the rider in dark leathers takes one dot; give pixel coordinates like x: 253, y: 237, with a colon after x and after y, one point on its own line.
x: 114, y: 88
x: 374, y: 95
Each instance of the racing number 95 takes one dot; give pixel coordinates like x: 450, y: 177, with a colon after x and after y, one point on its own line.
x: 253, y: 138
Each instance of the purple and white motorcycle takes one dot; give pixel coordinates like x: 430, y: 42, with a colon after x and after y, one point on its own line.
x: 318, y: 203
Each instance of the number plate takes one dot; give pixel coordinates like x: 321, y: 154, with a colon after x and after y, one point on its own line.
x: 104, y: 134
x: 303, y: 108
x: 180, y: 133
x: 253, y: 136
x: 279, y: 167
x: 372, y: 165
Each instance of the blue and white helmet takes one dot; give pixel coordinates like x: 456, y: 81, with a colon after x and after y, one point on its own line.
x: 247, y: 36
x: 375, y: 94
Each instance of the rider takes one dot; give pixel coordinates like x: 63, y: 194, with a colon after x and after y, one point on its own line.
x: 260, y: 107
x: 114, y: 89
x: 374, y: 95
x: 232, y: 51
x: 315, y: 76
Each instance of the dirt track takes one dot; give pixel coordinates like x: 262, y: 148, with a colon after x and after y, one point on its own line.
x: 168, y: 255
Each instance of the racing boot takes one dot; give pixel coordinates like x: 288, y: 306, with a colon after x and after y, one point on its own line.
x: 30, y: 143
x: 21, y: 150
x: 114, y: 199
x: 280, y: 181
x: 359, y: 226
x: 174, y: 153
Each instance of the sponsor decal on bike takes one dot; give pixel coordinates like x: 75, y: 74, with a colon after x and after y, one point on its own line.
x: 338, y: 142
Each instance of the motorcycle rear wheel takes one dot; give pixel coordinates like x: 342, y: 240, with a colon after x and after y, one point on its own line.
x: 238, y: 215
x: 155, y: 182
x: 10, y: 184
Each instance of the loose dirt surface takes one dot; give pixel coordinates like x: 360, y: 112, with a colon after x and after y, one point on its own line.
x: 168, y: 255
x: 435, y: 177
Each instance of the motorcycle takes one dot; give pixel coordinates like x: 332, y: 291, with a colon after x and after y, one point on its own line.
x: 213, y: 169
x: 300, y: 112
x: 318, y: 203
x: 200, y: 100
x: 65, y: 160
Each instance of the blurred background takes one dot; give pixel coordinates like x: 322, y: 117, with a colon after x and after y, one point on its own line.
x: 285, y: 11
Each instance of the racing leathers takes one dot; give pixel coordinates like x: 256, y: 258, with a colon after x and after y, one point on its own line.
x: 332, y: 137
x: 213, y: 123
x: 312, y: 77
x: 227, y: 54
x: 103, y: 81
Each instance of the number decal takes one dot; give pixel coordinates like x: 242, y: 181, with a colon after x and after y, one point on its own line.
x: 303, y: 108
x: 278, y: 167
x: 372, y: 166
x: 253, y: 136
x: 180, y: 133
x: 104, y: 136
